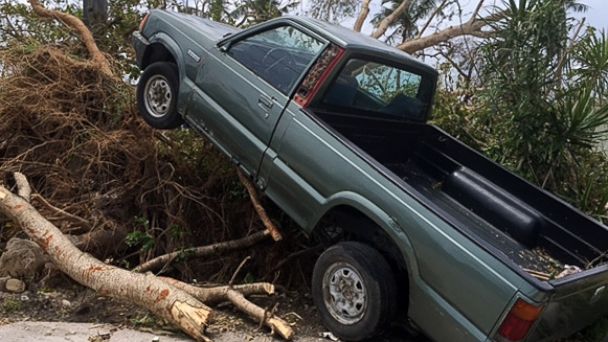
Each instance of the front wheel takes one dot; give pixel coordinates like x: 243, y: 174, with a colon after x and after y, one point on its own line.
x: 157, y: 95
x: 354, y: 290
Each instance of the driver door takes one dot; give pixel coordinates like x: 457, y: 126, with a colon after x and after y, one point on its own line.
x: 245, y: 84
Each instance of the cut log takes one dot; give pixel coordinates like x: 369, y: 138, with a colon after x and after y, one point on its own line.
x: 9, y: 284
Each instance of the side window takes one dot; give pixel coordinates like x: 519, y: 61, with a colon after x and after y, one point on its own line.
x: 279, y: 55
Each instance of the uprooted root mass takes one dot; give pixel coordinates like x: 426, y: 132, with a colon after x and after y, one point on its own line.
x: 103, y: 176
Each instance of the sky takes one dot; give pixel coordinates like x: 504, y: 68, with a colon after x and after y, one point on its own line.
x: 596, y: 15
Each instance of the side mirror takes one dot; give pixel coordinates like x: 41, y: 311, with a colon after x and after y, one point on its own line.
x: 225, y: 47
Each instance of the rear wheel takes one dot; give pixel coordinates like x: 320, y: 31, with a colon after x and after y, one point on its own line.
x: 354, y: 290
x: 157, y: 95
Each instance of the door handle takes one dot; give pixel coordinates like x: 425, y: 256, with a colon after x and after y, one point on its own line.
x: 266, y: 102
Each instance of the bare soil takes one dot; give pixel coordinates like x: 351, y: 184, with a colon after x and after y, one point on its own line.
x: 76, y: 304
x: 73, y: 303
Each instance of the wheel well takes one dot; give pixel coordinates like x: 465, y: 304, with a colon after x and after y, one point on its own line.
x: 157, y: 52
x: 345, y: 223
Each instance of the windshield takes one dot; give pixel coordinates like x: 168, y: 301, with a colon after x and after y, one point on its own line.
x: 378, y: 89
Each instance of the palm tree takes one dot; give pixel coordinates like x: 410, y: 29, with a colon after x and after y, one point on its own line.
x: 332, y: 10
x: 256, y: 11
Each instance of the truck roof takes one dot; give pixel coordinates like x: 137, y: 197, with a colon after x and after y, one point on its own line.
x: 350, y: 39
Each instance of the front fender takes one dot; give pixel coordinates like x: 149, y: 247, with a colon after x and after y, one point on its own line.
x: 171, y: 45
x: 385, y: 221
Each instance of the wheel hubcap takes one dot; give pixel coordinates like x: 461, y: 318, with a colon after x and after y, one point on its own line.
x: 344, y: 294
x: 158, y: 96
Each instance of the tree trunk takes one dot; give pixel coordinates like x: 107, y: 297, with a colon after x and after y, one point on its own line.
x: 473, y: 27
x: 97, y: 57
x: 391, y: 18
x: 362, y: 16
x: 94, y: 13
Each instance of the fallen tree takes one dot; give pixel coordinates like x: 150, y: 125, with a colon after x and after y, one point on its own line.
x: 99, y: 175
x: 475, y: 26
x: 165, y: 297
x: 103, y: 177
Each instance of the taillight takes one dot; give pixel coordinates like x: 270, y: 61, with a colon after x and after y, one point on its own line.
x: 143, y: 22
x: 518, y: 322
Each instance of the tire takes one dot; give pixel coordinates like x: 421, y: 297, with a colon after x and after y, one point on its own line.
x: 157, y: 92
x: 359, y: 275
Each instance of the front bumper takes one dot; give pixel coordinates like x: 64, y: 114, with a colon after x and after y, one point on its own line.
x: 140, y: 43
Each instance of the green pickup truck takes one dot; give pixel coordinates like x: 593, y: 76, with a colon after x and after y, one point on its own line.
x: 331, y: 125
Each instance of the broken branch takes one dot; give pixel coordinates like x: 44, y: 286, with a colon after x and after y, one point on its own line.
x: 276, y: 324
x: 272, y: 228
x: 362, y: 16
x: 539, y: 275
x: 23, y: 186
x: 236, y: 295
x: 199, y: 252
x: 391, y: 18
x: 473, y: 27
x: 216, y: 294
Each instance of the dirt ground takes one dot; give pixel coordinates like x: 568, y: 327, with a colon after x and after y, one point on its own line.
x: 75, y: 304
x: 70, y: 312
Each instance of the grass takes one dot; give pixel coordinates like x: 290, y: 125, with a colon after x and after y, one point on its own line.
x: 10, y: 305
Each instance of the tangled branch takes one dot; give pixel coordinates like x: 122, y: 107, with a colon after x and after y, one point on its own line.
x: 97, y: 57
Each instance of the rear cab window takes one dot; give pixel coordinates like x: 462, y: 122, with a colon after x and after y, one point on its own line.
x: 366, y: 87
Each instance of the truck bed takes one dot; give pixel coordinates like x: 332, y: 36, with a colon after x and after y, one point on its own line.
x: 524, y: 225
x: 533, y: 258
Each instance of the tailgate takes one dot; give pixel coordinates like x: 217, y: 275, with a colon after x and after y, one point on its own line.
x: 579, y: 300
